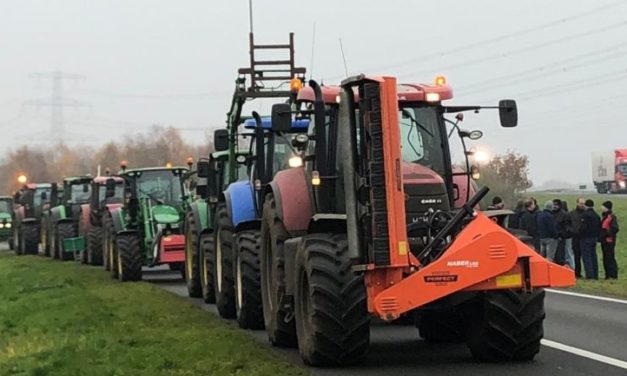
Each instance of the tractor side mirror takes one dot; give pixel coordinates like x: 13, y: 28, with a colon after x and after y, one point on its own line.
x: 212, y: 186
x: 221, y: 139
x: 508, y: 113
x: 281, y: 117
x: 110, y: 188
x: 202, y: 168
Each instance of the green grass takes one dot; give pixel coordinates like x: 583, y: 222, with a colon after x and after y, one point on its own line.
x: 65, y: 319
x: 611, y: 287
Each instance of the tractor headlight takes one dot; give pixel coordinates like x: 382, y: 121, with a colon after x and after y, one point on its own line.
x: 7, y: 225
x: 621, y: 184
x: 295, y: 161
x: 1, y: 225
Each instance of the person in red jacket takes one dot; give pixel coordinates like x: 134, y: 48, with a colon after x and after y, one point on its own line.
x: 609, y: 228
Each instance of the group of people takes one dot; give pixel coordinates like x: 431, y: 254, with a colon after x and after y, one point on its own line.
x: 575, y: 234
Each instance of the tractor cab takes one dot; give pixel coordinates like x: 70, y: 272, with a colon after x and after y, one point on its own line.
x: 76, y: 192
x: 6, y: 219
x: 33, y: 198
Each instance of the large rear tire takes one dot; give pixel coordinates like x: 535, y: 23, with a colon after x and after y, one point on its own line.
x: 505, y: 325
x: 281, y: 332
x: 223, y: 264
x: 192, y: 253
x: 45, y: 235
x: 129, y: 258
x: 94, y: 245
x: 207, y: 256
x: 30, y: 238
x: 247, y: 283
x: 107, y: 235
x: 64, y: 230
x: 332, y: 320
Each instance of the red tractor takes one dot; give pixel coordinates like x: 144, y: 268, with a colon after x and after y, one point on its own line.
x: 378, y: 223
x: 91, y: 225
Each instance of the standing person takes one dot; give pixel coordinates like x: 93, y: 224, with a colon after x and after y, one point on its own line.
x: 514, y: 219
x: 564, y: 233
x: 576, y: 217
x: 547, y: 231
x: 589, y: 234
x: 609, y: 228
x: 529, y: 223
x: 498, y: 204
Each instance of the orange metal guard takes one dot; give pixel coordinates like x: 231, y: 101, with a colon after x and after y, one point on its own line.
x: 484, y: 256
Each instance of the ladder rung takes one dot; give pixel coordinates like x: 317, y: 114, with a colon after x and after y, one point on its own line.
x: 272, y: 62
x: 270, y: 46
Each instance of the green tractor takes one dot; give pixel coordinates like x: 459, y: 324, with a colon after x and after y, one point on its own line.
x: 33, y: 199
x: 212, y: 179
x: 227, y: 164
x: 60, y: 232
x: 147, y: 229
x: 6, y: 220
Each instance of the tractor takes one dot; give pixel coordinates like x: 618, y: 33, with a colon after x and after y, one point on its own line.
x: 90, y: 227
x: 238, y: 293
x: 147, y: 229
x: 6, y: 220
x: 212, y: 179
x: 33, y: 200
x: 262, y: 79
x: 60, y: 233
x: 379, y: 224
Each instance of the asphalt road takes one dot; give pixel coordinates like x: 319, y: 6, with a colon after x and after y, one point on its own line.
x: 588, y: 334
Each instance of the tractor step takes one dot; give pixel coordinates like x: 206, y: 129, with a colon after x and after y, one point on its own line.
x: 172, y: 249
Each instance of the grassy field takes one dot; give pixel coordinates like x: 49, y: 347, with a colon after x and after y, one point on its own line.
x: 603, y: 287
x: 61, y: 319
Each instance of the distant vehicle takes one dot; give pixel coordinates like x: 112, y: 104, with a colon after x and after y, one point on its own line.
x: 609, y: 171
x: 6, y: 219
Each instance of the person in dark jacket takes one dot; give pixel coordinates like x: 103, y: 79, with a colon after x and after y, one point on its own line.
x: 609, y: 229
x: 547, y: 231
x: 589, y: 233
x: 529, y: 222
x: 575, y: 221
x: 514, y: 219
x: 564, y: 254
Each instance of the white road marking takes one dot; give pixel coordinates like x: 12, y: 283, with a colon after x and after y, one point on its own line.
x: 586, y: 354
x: 603, y: 298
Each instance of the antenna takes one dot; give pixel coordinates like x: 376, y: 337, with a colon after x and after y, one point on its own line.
x: 250, y: 14
x: 343, y: 58
x: 313, y: 50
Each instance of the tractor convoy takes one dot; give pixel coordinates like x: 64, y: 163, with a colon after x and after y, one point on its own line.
x: 342, y: 206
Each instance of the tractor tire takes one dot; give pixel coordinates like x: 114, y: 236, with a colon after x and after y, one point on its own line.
x: 94, y: 245
x: 223, y: 264
x: 64, y: 230
x: 441, y: 326
x: 19, y: 247
x: 30, y: 239
x: 505, y: 325
x: 111, y: 250
x: 52, y: 240
x: 192, y: 252
x: 46, y: 240
x: 248, y: 304
x: 330, y: 303
x: 207, y: 250
x: 129, y: 258
x: 106, y: 236
x: 281, y: 332
x: 11, y: 243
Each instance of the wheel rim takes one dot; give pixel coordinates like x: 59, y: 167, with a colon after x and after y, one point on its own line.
x: 238, y: 271
x: 110, y: 252
x: 205, y: 271
x: 219, y: 262
x: 120, y: 269
x: 188, y: 255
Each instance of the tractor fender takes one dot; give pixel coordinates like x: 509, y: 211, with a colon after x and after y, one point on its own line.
x: 200, y: 211
x: 465, y: 190
x: 297, y: 209
x: 19, y: 214
x: 85, y: 217
x: 335, y: 223
x: 254, y: 224
x: 240, y: 202
x: 58, y: 213
x: 111, y: 207
x: 117, y: 217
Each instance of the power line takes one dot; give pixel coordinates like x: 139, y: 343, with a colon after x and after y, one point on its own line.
x: 481, y: 43
x: 547, y: 69
x: 509, y: 53
x: 199, y: 95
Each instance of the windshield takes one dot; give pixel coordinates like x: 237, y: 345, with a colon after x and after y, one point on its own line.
x: 161, y: 186
x: 622, y: 168
x: 37, y: 201
x: 421, y: 140
x: 5, y: 206
x: 80, y: 193
x: 117, y: 197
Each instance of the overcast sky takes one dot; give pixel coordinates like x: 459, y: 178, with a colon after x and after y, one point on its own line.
x: 145, y: 62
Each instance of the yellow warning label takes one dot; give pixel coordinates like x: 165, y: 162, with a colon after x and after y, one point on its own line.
x: 402, y: 248
x: 509, y: 280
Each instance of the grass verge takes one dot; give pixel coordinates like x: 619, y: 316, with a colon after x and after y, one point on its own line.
x: 617, y: 287
x: 61, y: 319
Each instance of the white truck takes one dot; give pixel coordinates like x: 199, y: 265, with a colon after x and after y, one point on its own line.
x: 609, y: 170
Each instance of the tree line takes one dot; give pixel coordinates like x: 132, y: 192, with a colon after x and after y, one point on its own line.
x: 156, y: 147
